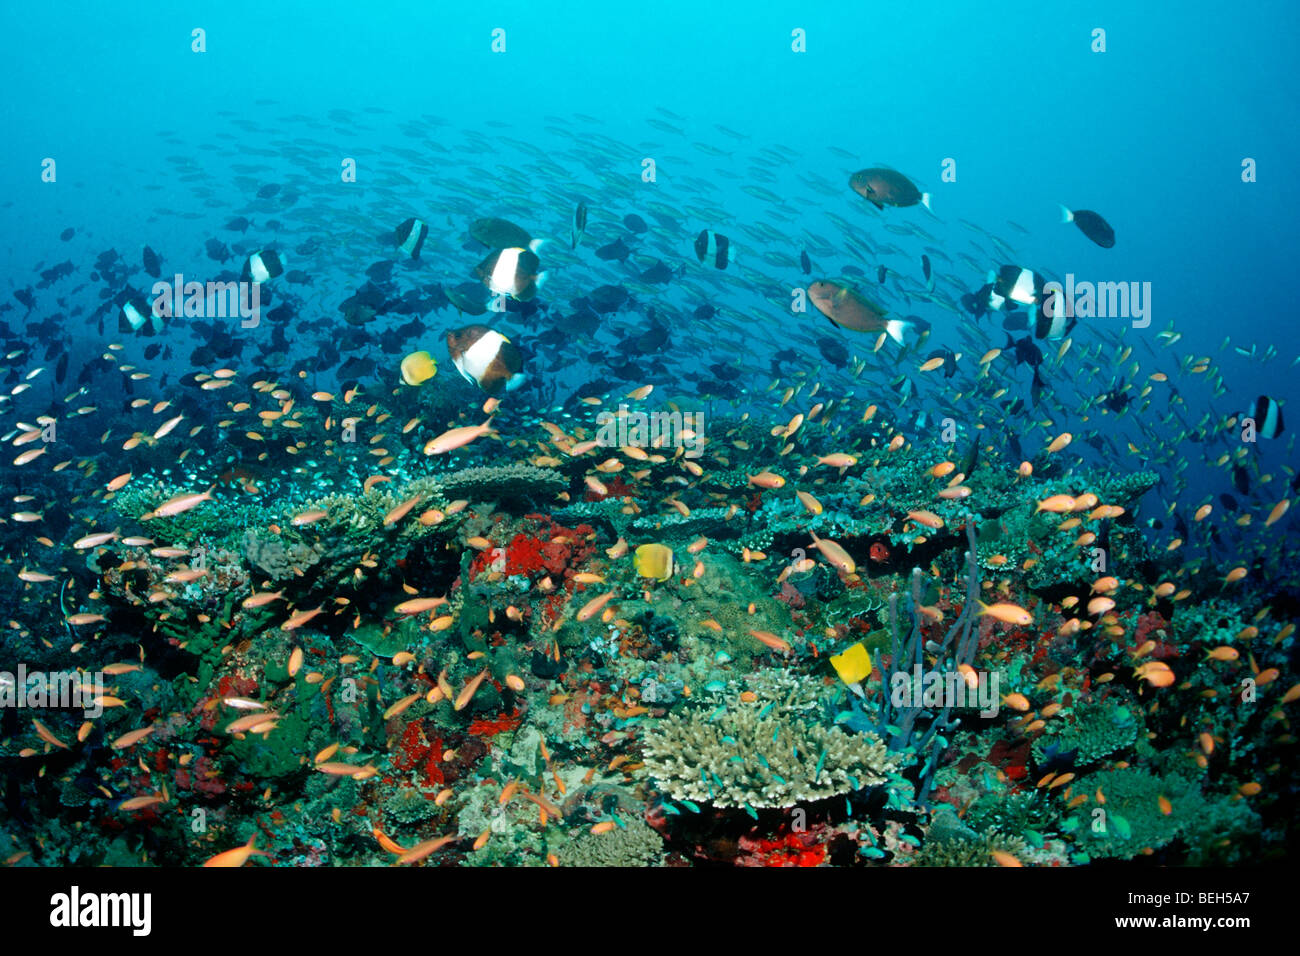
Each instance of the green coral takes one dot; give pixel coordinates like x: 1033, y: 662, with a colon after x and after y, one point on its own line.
x: 758, y: 754
x: 504, y: 483
x: 969, y: 849
x: 632, y: 844
x: 1131, y: 819
x: 1097, y: 730
x: 1015, y: 812
x: 410, y: 807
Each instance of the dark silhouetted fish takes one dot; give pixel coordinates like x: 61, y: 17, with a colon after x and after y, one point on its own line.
x: 607, y: 298
x: 152, y: 263
x: 1241, y: 479
x: 54, y: 273
x: 657, y: 273
x: 614, y: 251
x: 381, y: 271
x: 1091, y: 225
x: 833, y: 350
x: 500, y: 234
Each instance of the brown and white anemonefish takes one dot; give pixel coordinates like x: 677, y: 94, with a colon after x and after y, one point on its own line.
x: 486, y: 357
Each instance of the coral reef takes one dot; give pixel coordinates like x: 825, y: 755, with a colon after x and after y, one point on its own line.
x: 759, y: 755
x: 633, y: 843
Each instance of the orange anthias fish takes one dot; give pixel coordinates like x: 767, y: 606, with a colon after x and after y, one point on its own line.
x: 238, y: 856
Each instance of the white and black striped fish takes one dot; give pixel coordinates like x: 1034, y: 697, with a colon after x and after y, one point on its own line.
x: 713, y: 249
x: 1267, y: 414
x: 410, y: 237
x: 263, y: 266
x: 513, y: 272
x: 486, y: 357
x: 137, y: 315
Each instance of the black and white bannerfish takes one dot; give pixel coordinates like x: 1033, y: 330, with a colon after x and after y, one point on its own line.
x: 1052, y: 323
x: 711, y: 248
x: 486, y: 357
x: 1091, y: 225
x: 262, y: 266
x: 137, y: 315
x: 410, y: 237
x: 513, y: 272
x: 1014, y: 284
x: 1267, y: 414
x: 579, y: 223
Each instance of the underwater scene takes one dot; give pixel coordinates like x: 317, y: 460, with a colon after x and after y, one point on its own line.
x: 730, y: 435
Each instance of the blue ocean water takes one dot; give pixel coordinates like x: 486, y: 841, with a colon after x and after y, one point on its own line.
x: 1173, y: 121
x: 1152, y: 132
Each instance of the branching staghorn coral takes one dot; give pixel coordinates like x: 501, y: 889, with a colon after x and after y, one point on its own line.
x: 758, y: 755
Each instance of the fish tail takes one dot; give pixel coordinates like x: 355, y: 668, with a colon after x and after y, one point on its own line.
x: 1066, y: 215
x: 897, y: 329
x: 925, y: 201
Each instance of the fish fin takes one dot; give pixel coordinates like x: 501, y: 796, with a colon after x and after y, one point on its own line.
x: 1066, y: 215
x: 536, y: 245
x: 925, y: 200
x: 897, y: 329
